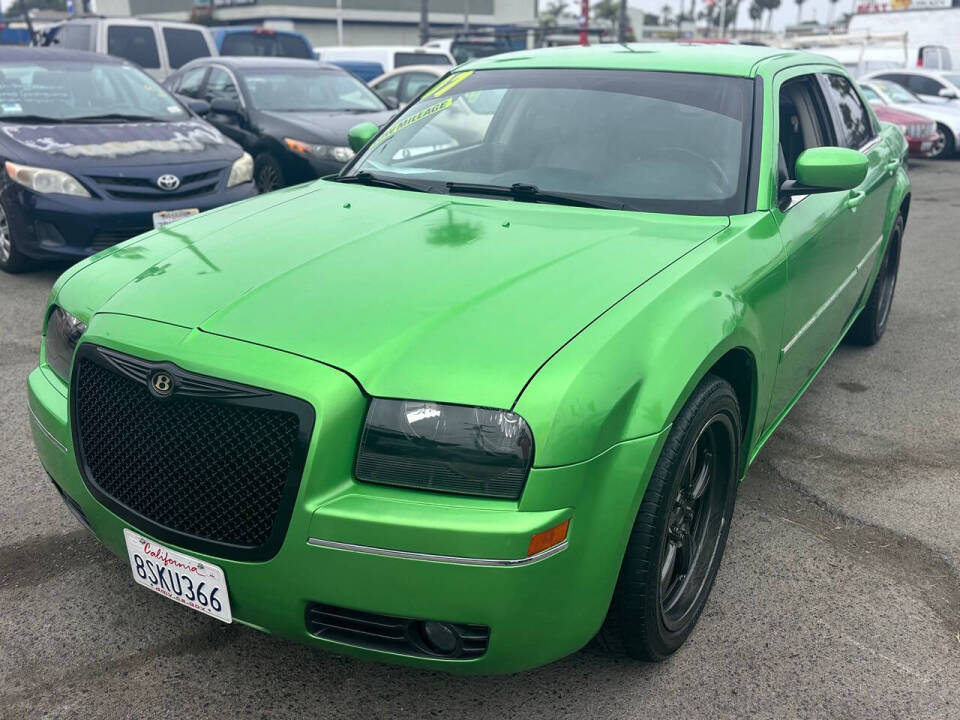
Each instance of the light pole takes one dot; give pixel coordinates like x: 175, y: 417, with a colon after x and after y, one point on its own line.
x: 584, y: 20
x: 424, y: 22
x: 622, y: 22
x: 339, y: 22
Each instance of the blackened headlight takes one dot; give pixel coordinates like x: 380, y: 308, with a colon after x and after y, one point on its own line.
x: 63, y: 334
x: 445, y: 448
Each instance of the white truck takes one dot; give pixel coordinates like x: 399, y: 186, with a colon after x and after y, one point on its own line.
x: 932, y: 28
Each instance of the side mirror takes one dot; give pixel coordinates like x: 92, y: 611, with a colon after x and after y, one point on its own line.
x: 360, y: 135
x: 223, y: 106
x: 948, y: 93
x: 826, y: 169
x: 197, y: 106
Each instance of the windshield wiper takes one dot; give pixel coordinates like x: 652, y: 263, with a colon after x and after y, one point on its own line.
x: 113, y: 117
x: 523, y: 192
x: 39, y: 119
x: 368, y: 178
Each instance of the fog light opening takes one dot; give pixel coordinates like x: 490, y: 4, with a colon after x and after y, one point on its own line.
x: 439, y: 637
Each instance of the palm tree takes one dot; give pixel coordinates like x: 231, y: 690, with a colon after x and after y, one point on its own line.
x: 608, y: 11
x: 833, y: 7
x: 756, y: 15
x: 550, y: 16
x: 666, y: 15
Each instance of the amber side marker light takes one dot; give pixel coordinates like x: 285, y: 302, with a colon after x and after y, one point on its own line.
x: 548, y: 538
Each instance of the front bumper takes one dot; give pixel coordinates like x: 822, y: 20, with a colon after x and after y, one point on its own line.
x: 537, y: 612
x: 920, y: 146
x: 47, y: 227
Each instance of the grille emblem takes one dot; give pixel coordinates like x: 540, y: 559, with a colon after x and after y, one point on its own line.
x: 168, y: 182
x: 162, y: 384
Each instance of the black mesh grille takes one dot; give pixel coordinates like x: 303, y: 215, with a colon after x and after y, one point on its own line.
x: 203, y: 470
x: 392, y: 634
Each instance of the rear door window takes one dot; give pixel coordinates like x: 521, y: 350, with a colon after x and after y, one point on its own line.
x: 135, y: 43
x: 265, y: 44
x: 184, y: 45
x: 924, y: 86
x: 412, y: 58
x: 851, y: 120
x: 414, y: 84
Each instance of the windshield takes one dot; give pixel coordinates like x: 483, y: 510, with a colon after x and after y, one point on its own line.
x: 952, y: 79
x: 656, y: 141
x: 897, y: 93
x: 65, y: 90
x: 286, y: 89
x: 869, y: 94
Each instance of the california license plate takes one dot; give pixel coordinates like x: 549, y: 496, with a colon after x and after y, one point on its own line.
x: 165, y: 217
x: 189, y: 581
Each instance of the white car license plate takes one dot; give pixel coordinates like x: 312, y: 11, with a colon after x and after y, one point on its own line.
x: 186, y: 579
x: 165, y: 217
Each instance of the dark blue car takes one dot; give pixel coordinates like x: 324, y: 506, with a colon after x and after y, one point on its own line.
x: 93, y: 152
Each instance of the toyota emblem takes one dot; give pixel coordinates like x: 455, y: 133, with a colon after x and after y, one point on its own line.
x: 168, y: 182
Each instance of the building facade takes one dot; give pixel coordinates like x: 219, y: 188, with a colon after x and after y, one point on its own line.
x: 365, y: 22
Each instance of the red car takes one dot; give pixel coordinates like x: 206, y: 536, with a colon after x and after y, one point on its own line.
x: 920, y: 131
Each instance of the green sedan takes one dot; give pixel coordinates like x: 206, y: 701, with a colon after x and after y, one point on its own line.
x: 488, y: 394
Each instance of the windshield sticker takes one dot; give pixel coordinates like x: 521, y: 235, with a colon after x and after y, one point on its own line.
x: 451, y: 82
x: 415, y: 118
x: 11, y: 107
x: 101, y: 140
x: 173, y: 109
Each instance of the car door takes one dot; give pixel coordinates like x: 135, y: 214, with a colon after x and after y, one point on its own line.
x: 855, y: 128
x: 821, y: 237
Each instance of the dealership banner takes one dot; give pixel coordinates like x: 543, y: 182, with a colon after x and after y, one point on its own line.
x: 876, y: 6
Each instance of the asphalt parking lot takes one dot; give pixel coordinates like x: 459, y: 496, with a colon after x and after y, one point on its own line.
x: 839, y: 595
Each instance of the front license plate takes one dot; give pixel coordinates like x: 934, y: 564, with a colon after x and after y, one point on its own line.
x: 165, y: 217
x: 186, y: 579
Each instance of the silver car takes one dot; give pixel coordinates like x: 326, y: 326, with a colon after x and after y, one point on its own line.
x: 946, y: 115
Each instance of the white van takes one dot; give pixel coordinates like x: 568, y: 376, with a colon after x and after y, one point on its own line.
x: 157, y: 46
x: 933, y: 36
x: 368, y: 62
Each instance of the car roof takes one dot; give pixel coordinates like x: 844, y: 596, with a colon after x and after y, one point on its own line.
x: 13, y: 53
x: 714, y: 59
x: 419, y: 49
x: 231, y: 29
x: 247, y: 62
x: 114, y: 20
x: 438, y: 70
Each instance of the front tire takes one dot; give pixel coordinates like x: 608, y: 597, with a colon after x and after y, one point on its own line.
x: 11, y: 259
x: 267, y: 173
x: 869, y: 327
x: 680, y: 532
x: 943, y: 146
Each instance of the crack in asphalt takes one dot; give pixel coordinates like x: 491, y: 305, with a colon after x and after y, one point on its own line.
x: 902, y: 557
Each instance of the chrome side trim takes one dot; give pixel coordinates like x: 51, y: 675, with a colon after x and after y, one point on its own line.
x: 453, y: 559
x: 830, y: 300
x: 50, y: 437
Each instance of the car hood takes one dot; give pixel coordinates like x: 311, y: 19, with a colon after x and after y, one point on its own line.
x: 324, y: 127
x: 413, y: 294
x: 68, y: 146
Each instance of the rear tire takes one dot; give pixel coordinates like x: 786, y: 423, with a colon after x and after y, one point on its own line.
x: 11, y: 259
x: 678, y: 537
x: 267, y: 173
x: 869, y: 327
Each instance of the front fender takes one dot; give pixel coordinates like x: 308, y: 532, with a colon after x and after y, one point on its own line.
x: 628, y: 374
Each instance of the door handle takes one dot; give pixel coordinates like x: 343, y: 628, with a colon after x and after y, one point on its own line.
x: 854, y: 199
x: 893, y: 165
